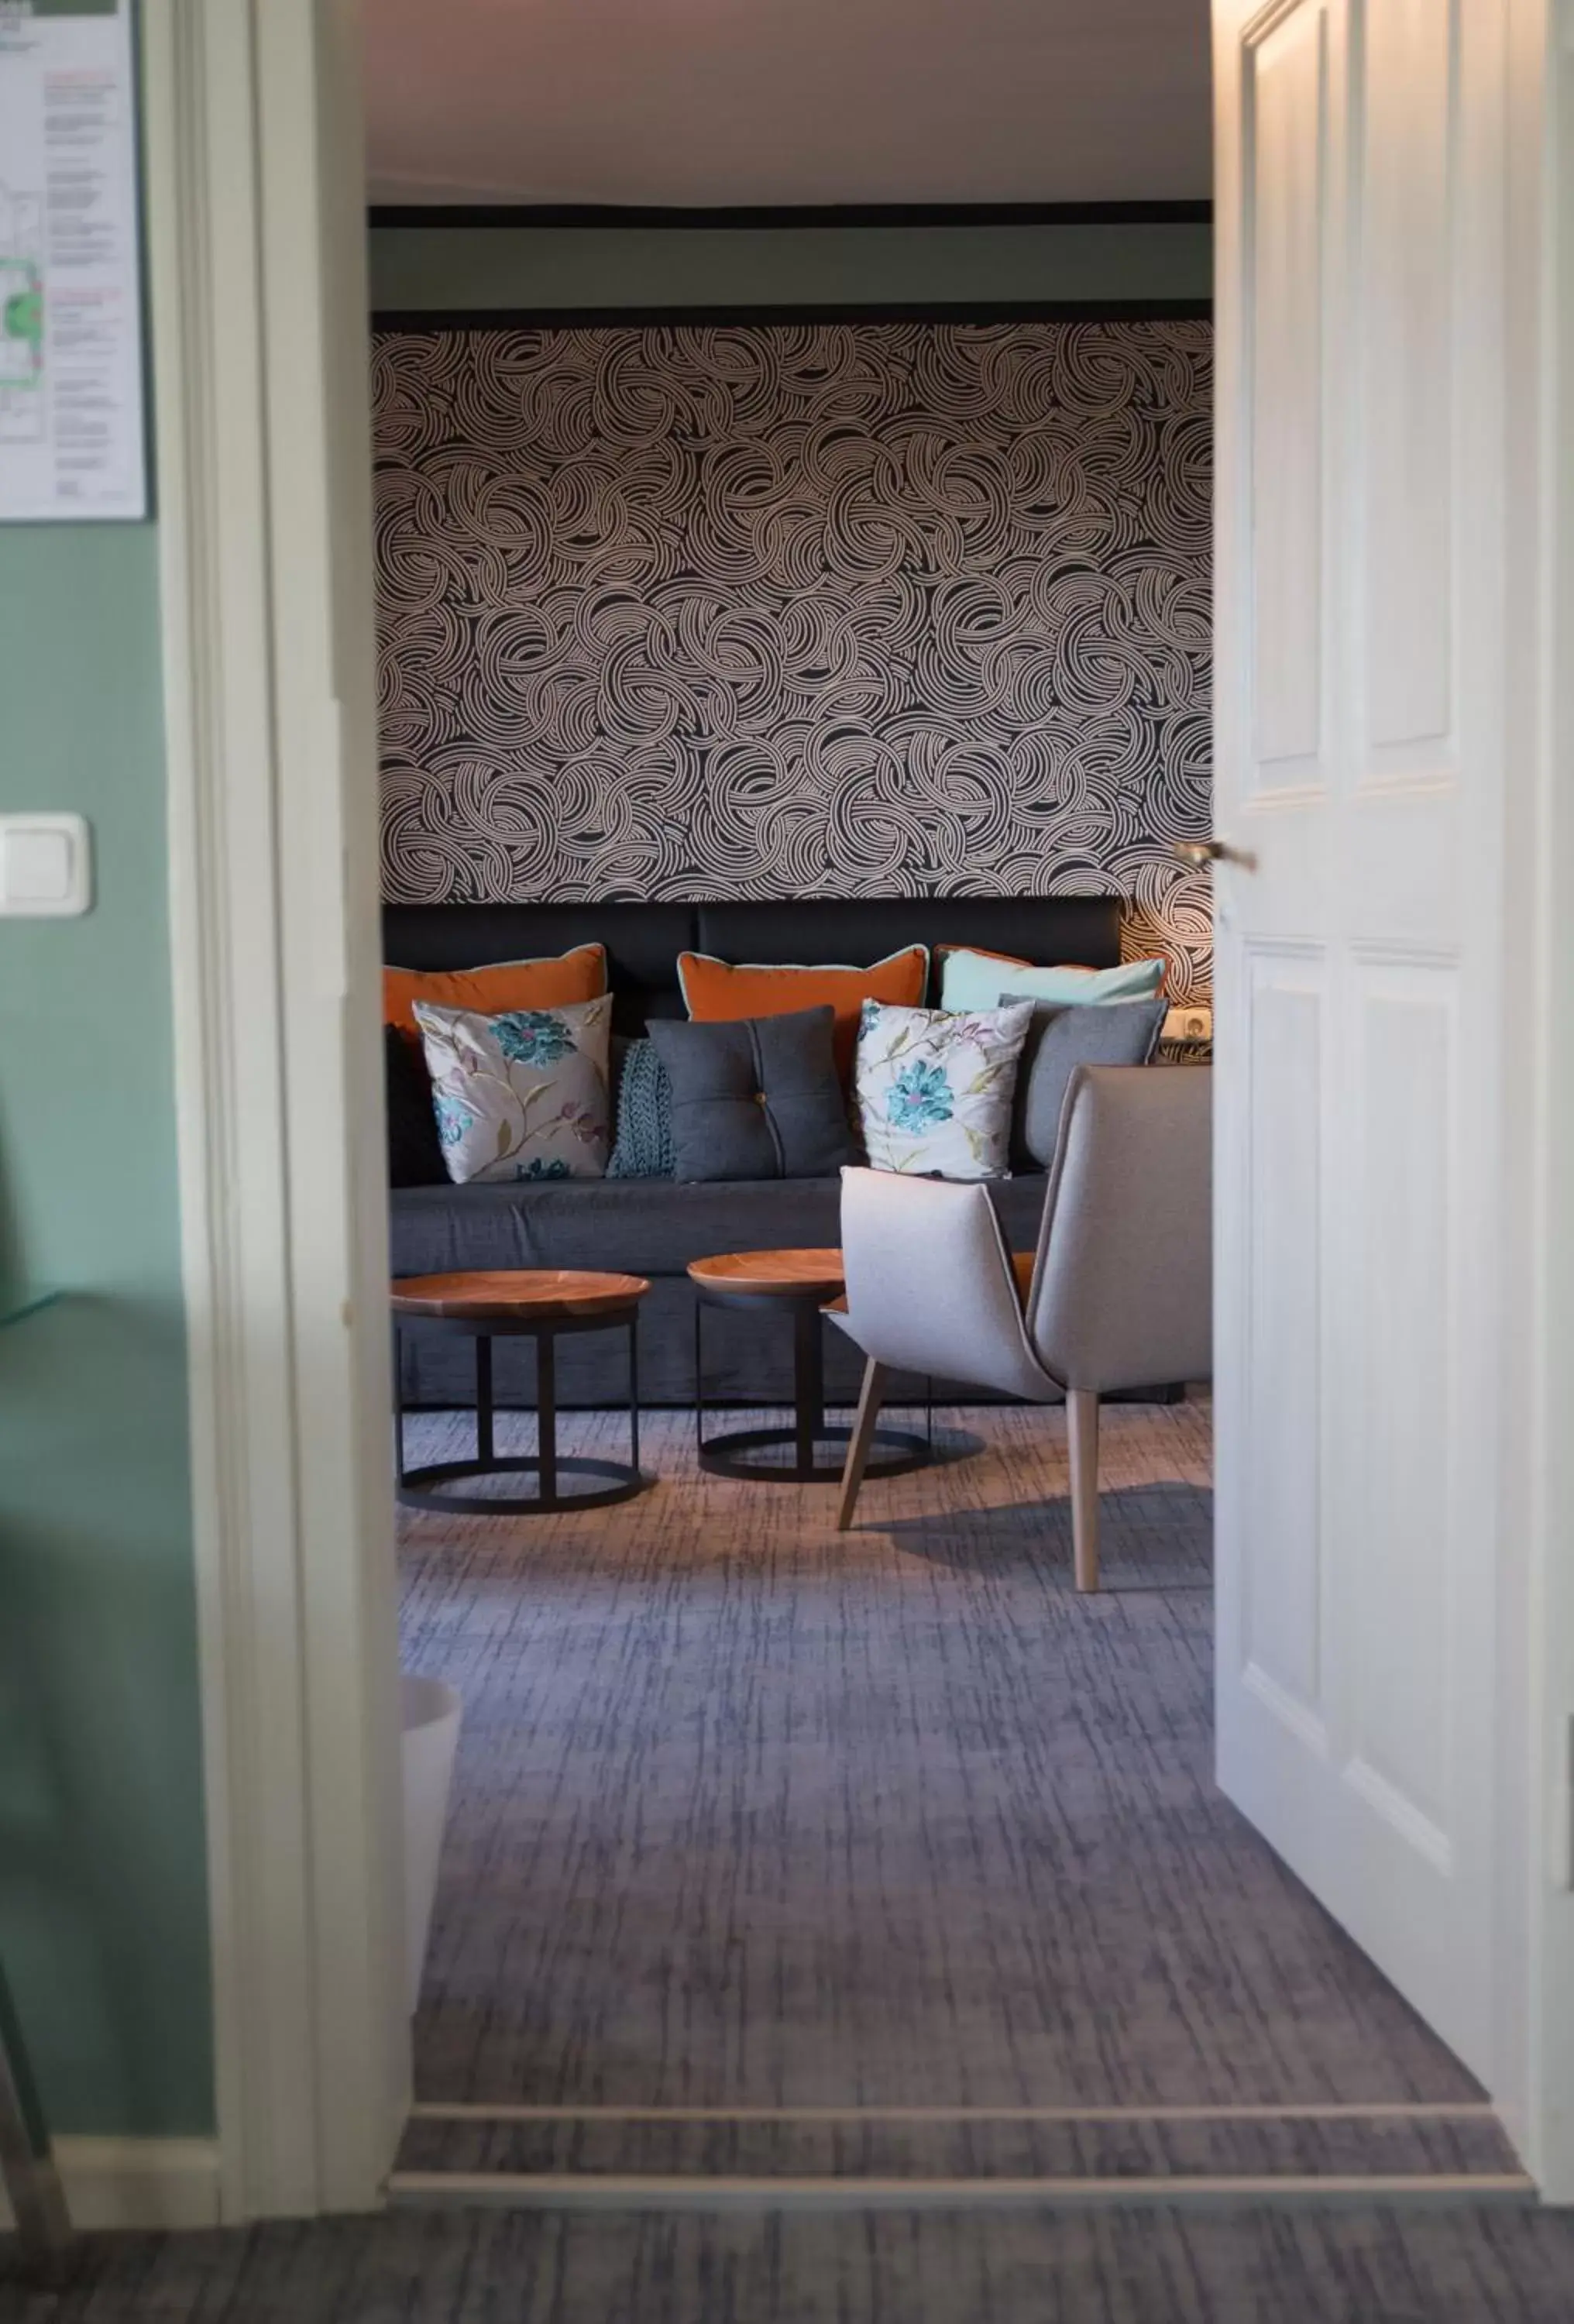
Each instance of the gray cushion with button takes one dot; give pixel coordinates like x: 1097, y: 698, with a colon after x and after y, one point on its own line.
x: 757, y: 1098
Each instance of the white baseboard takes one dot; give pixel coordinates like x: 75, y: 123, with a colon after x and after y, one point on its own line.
x: 137, y: 2182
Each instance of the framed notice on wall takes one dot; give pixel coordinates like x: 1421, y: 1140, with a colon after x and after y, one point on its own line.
x: 72, y: 421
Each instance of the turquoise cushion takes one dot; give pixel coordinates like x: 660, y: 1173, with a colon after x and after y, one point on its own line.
x: 973, y: 980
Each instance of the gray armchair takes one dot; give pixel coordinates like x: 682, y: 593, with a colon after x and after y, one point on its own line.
x: 1120, y: 1290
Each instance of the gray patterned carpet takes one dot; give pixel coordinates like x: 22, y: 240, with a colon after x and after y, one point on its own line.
x: 1283, y: 2267
x: 749, y: 1812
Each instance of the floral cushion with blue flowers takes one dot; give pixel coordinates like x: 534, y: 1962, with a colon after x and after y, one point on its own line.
x: 934, y: 1087
x: 523, y: 1096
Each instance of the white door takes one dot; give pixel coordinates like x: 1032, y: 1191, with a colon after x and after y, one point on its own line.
x: 1361, y: 202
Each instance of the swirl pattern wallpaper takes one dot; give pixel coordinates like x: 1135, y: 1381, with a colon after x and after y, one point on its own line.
x: 828, y: 609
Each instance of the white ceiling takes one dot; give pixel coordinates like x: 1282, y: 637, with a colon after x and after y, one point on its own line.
x: 694, y: 102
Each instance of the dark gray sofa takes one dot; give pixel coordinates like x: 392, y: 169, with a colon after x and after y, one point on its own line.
x: 653, y: 1227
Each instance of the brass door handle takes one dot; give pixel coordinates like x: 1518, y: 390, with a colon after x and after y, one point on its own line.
x: 1200, y: 852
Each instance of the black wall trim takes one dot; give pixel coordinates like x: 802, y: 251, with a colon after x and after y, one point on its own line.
x: 998, y: 310
x: 848, y: 214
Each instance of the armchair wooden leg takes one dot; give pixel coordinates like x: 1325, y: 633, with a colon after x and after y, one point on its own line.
x: 868, y: 1412
x: 1082, y: 1436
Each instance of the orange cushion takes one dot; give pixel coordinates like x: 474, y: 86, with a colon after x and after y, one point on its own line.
x: 715, y: 992
x: 554, y: 983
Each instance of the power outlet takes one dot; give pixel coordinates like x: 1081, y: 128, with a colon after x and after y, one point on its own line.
x: 1189, y: 1025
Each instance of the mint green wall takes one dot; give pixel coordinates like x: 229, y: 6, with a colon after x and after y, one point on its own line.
x: 102, y: 1910
x: 743, y: 266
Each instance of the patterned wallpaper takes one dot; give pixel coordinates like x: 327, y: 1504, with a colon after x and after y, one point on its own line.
x: 776, y: 609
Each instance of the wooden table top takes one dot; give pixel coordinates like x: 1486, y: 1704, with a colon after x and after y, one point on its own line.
x: 773, y: 1274
x: 541, y: 1291
x: 789, y: 1273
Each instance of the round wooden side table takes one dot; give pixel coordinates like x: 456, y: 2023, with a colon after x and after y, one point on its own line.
x: 800, y: 1284
x: 543, y: 1304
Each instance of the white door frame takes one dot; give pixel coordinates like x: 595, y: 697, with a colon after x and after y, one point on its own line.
x: 255, y: 238
x: 1539, y: 2057
x: 256, y: 245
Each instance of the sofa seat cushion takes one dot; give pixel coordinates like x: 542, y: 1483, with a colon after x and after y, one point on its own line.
x: 639, y: 1226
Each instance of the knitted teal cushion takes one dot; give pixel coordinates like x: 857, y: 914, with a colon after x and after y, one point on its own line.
x: 643, y: 1148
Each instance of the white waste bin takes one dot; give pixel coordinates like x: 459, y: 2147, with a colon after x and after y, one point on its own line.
x: 430, y: 1716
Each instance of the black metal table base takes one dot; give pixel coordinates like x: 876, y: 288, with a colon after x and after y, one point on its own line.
x: 415, y: 1486
x: 419, y: 1489
x: 728, y: 1456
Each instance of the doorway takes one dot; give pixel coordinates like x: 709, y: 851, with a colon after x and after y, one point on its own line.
x: 321, y: 1679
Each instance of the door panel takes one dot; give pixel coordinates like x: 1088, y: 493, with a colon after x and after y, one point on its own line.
x: 1362, y: 172
x: 1403, y: 1359
x: 1282, y: 1641
x: 1406, y: 299
x: 1286, y: 226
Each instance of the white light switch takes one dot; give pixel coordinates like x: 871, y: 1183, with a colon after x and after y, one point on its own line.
x: 46, y: 865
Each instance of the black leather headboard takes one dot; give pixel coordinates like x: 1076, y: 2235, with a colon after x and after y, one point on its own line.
x: 643, y: 940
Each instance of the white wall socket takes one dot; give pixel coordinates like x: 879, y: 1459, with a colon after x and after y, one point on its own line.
x: 1189, y: 1025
